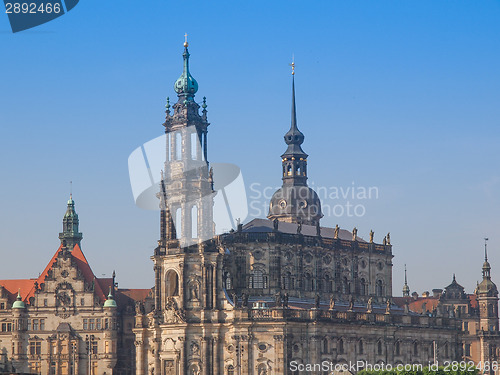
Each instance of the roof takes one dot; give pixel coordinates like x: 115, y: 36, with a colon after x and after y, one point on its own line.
x: 12, y: 287
x: 128, y: 297
x: 132, y: 295
x: 265, y: 225
x: 27, y: 286
x: 418, y: 304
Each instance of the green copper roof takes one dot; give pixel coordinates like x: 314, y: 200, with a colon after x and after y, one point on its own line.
x: 110, y: 302
x: 186, y: 85
x: 70, y: 211
x: 18, y: 304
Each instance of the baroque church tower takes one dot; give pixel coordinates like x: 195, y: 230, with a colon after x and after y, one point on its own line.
x: 186, y: 261
x: 487, y: 299
x: 295, y: 202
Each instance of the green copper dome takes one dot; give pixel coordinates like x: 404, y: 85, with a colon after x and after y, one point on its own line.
x: 186, y: 85
x: 18, y: 304
x: 110, y: 302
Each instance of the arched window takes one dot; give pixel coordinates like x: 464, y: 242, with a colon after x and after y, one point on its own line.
x: 297, y: 172
x: 380, y: 288
x: 397, y: 348
x: 287, y: 280
x: 172, y: 283
x: 169, y: 146
x: 325, y: 345
x: 446, y: 350
x: 230, y: 370
x: 328, y: 284
x: 415, y: 348
x: 194, y: 222
x: 360, y: 347
x: 258, y: 279
x: 178, y: 222
x: 379, y: 348
x: 289, y: 170
x: 340, y: 347
x: 308, y: 282
x: 490, y: 310
x: 178, y: 145
x: 362, y: 287
x: 194, y: 146
x: 345, y: 286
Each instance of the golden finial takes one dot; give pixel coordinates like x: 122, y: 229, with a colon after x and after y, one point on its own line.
x: 185, y: 40
x: 293, y: 65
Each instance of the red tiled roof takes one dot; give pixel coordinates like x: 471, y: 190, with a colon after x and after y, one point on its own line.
x: 27, y: 287
x: 134, y: 294
x: 430, y: 304
x: 13, y: 286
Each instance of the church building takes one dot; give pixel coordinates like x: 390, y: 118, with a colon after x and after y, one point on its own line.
x: 277, y: 291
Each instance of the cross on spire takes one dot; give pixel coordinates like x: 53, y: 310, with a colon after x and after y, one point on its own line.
x: 185, y: 40
x: 293, y: 65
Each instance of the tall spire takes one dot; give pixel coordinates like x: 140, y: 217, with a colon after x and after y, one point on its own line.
x: 406, y: 288
x: 295, y: 202
x: 186, y: 86
x: 486, y: 264
x: 294, y: 137
x: 70, y: 236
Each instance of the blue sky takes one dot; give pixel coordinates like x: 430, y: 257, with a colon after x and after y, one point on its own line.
x: 398, y: 95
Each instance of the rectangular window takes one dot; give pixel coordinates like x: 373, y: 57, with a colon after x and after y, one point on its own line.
x: 42, y: 324
x: 35, y: 324
x: 467, y: 349
x: 94, y: 347
x: 9, y: 327
x: 106, y: 324
x: 4, y: 327
x: 19, y: 348
x: 35, y: 348
x: 91, y: 324
x: 466, y: 326
x: 106, y: 347
x: 28, y: 324
x: 45, y: 302
x: 98, y: 323
x: 82, y: 302
x: 85, y: 324
x: 2, y: 306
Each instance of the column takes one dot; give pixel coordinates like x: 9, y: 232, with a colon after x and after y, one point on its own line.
x: 139, y: 355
